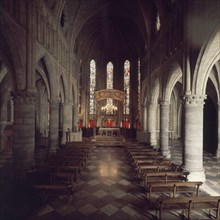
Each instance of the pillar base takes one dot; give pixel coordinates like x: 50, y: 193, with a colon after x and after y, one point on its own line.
x: 153, y: 138
x: 196, y: 175
x: 166, y: 153
x: 153, y: 143
x: 22, y: 168
x: 63, y: 141
x: 52, y: 150
x: 217, y: 154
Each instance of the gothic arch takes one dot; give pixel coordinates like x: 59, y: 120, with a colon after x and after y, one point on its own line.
x: 155, y: 91
x: 174, y: 75
x: 62, y: 90
x: 74, y: 93
x: 214, y: 76
x: 52, y: 81
x: 208, y: 56
x: 45, y: 80
x: 8, y: 64
x: 144, y: 95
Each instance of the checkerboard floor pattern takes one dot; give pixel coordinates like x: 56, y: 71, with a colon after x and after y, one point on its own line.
x: 108, y: 189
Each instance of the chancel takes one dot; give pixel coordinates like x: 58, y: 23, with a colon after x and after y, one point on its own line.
x: 109, y: 109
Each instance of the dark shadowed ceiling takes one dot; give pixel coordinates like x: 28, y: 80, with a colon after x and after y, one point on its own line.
x: 107, y: 28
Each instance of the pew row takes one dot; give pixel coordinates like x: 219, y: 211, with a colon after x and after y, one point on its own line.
x: 173, y: 188
x: 164, y: 176
x: 210, y: 203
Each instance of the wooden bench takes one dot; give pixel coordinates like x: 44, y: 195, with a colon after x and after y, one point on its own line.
x: 165, y: 176
x: 141, y: 162
x: 173, y: 188
x: 74, y: 169
x: 140, y: 150
x: 143, y: 169
x: 67, y: 160
x: 188, y: 204
x: 46, y: 190
x: 70, y: 152
x: 143, y: 153
x: 134, y: 158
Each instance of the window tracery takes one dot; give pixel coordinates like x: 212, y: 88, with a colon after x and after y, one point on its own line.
x: 92, y: 87
x: 158, y: 24
x: 127, y: 87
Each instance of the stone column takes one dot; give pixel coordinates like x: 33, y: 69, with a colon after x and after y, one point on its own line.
x: 75, y: 110
x: 3, y: 124
x: 145, y: 118
x: 67, y: 121
x: 164, y: 128
x: 24, y: 130
x: 152, y: 111
x: 53, y: 126
x: 218, y: 146
x: 193, y: 137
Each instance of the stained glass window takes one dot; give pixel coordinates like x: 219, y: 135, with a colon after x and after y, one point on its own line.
x: 127, y: 86
x: 158, y: 22
x: 92, y: 87
x: 139, y: 86
x: 109, y: 81
x: 109, y: 76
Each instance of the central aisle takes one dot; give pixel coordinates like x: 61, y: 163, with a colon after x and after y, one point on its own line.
x: 108, y: 188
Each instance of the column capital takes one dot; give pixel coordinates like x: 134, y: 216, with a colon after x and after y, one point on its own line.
x: 24, y: 97
x: 152, y: 106
x: 76, y: 105
x: 194, y: 99
x: 53, y: 104
x: 143, y: 106
x: 164, y: 102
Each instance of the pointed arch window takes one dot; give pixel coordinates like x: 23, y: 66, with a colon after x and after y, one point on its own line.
x: 127, y: 87
x: 158, y: 24
x: 109, y: 78
x: 109, y: 85
x: 92, y: 87
x: 139, y: 86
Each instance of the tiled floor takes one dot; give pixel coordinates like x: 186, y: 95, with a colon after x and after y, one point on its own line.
x: 211, y: 165
x: 109, y: 189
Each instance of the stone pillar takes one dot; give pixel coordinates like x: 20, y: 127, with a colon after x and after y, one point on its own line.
x: 193, y: 137
x: 152, y: 112
x: 24, y: 130
x: 218, y: 146
x: 53, y: 126
x: 145, y: 118
x: 3, y: 123
x: 164, y: 128
x: 67, y: 121
x: 75, y: 116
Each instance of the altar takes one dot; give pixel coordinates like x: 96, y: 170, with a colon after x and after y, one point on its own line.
x: 114, y: 132
x: 74, y: 136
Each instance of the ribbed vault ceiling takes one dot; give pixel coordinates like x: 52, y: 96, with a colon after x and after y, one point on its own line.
x: 108, y: 28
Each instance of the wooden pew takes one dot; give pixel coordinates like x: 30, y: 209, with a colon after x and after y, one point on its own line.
x: 165, y: 176
x: 68, y: 160
x: 46, y: 190
x: 74, y: 169
x: 173, y: 188
x: 138, y: 150
x: 144, y: 153
x: 135, y: 158
x: 143, y: 169
x: 211, y: 203
x: 73, y: 151
x: 54, y: 180
x: 148, y: 161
